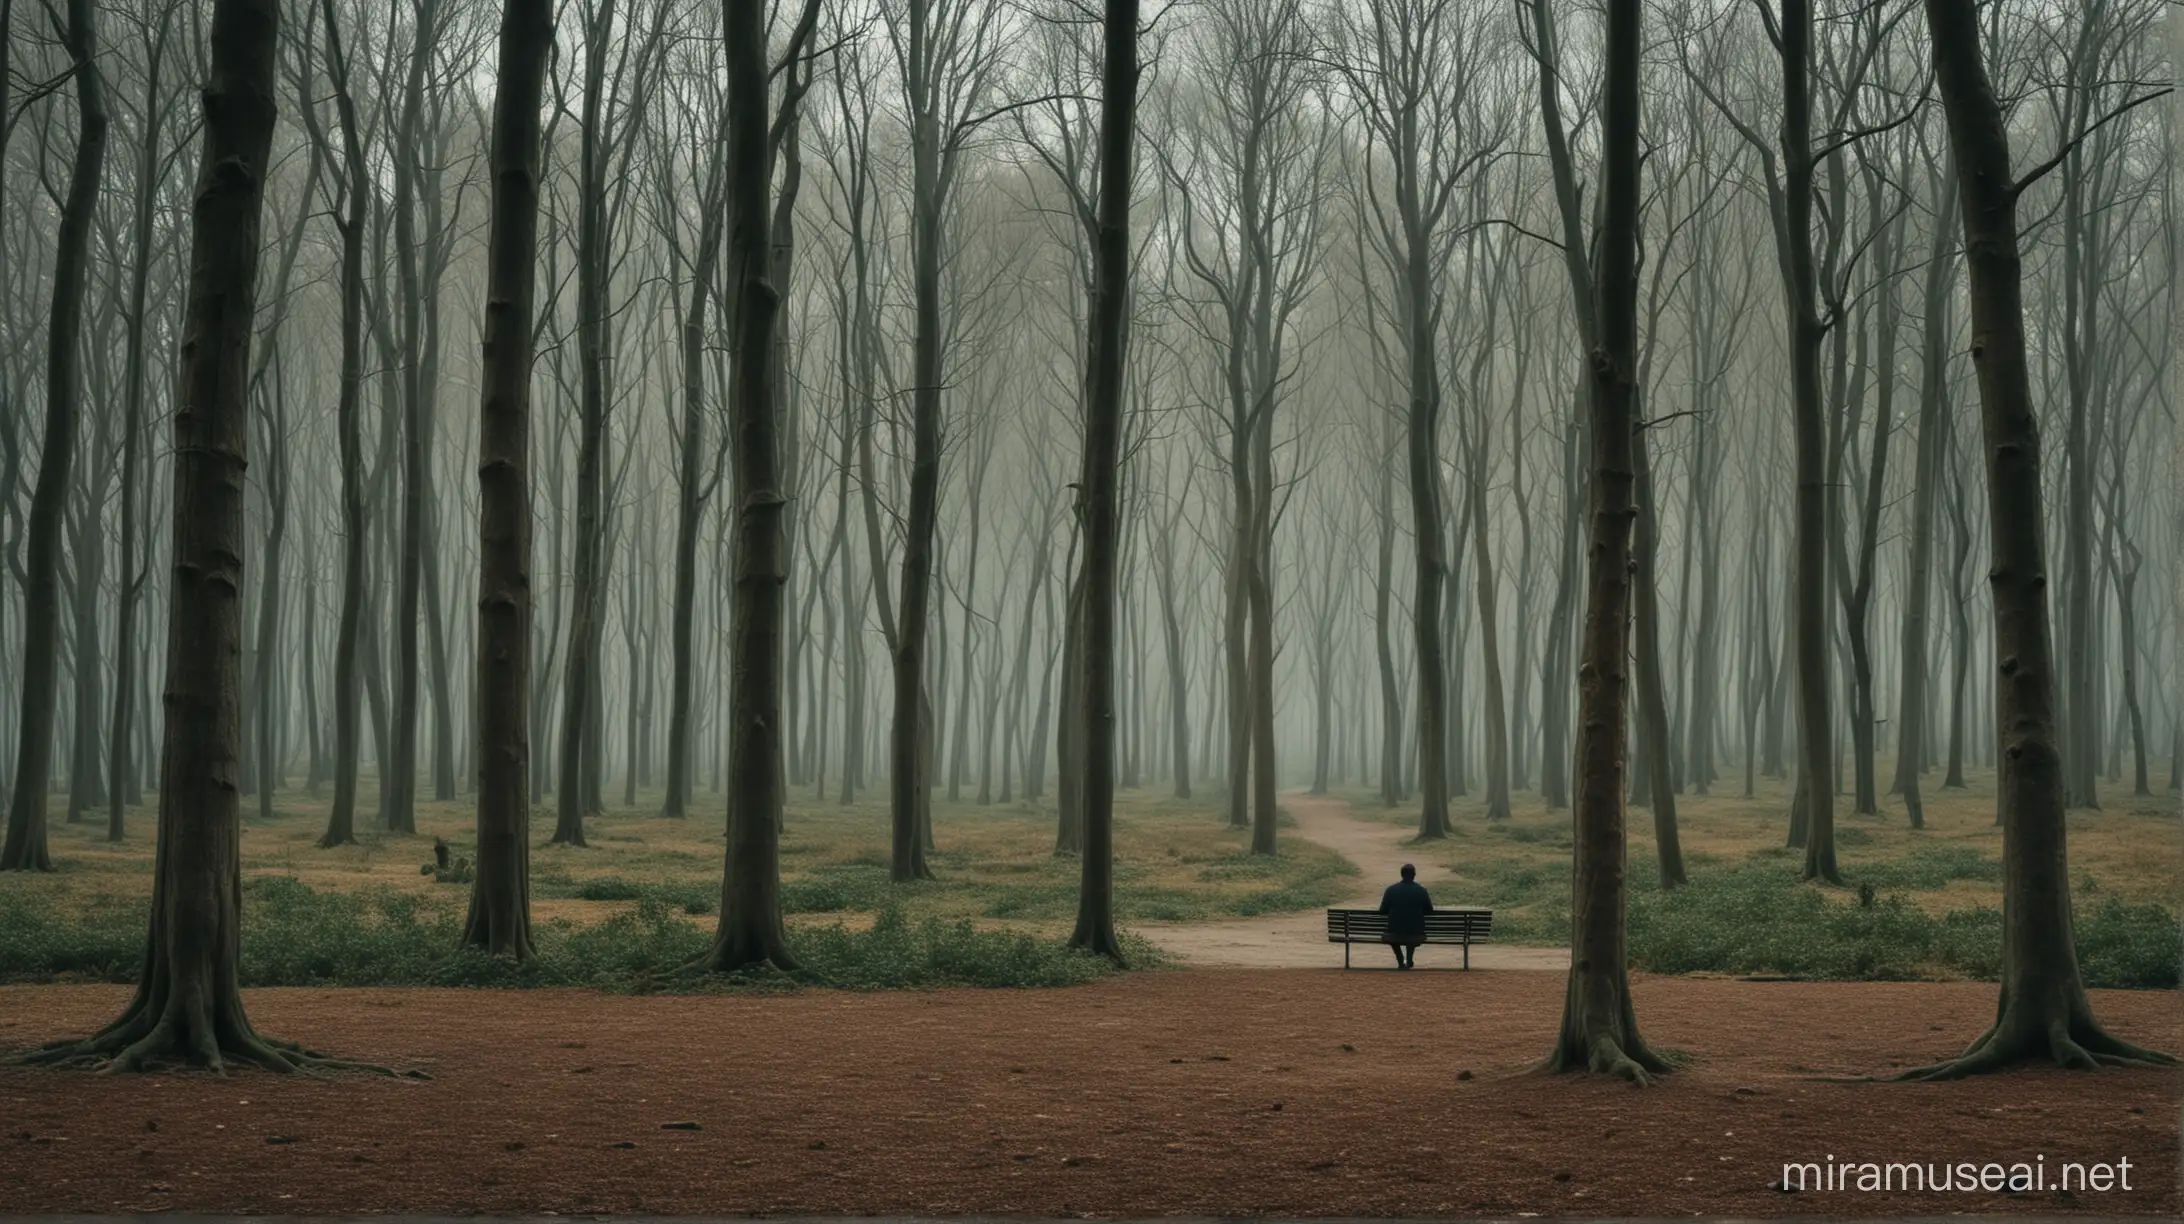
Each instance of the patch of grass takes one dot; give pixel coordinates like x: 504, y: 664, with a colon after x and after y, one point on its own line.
x: 691, y: 898
x: 294, y: 935
x: 1761, y: 920
x: 1929, y: 866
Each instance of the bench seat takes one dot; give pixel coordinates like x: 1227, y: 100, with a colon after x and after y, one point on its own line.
x: 1464, y: 925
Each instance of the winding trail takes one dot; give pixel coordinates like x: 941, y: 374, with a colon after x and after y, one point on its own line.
x: 1298, y: 940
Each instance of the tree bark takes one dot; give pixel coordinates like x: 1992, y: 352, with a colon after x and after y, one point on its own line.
x: 580, y: 696
x: 1105, y: 356
x: 499, y: 920
x: 398, y: 773
x: 349, y: 426
x: 1911, y: 715
x: 750, y: 931
x: 1599, y: 1028
x: 25, y: 845
x: 121, y: 778
x: 1816, y: 719
x: 2042, y: 1012
x: 187, y: 1006
x: 1655, y: 740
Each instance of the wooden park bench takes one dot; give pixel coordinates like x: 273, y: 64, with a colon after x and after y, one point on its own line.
x: 1464, y: 925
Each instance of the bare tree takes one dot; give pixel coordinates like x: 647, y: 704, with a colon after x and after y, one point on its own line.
x: 2043, y: 1012
x: 1599, y: 1028
x: 750, y: 930
x: 25, y: 846
x: 500, y: 900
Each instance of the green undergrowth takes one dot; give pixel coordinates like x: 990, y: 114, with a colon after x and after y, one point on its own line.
x: 294, y: 935
x: 1758, y: 918
x: 1175, y: 886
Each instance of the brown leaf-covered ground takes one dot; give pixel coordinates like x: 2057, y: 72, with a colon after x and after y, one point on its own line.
x: 1199, y: 1092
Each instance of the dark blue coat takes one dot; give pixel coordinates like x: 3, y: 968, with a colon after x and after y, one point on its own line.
x: 1406, y: 905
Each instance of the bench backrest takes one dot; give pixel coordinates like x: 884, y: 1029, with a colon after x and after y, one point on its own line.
x: 1462, y: 923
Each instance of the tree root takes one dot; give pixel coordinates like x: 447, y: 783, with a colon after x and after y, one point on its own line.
x: 733, y: 955
x: 2089, y: 1048
x: 1630, y: 1061
x: 1100, y: 943
x: 189, y: 1037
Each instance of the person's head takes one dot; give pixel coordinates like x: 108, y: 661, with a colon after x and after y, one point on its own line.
x: 1409, y: 871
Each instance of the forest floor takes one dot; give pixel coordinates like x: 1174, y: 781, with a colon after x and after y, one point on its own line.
x: 994, y: 865
x: 1208, y: 1092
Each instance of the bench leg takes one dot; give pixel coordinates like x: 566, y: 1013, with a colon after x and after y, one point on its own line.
x: 1467, y: 956
x: 1345, y: 953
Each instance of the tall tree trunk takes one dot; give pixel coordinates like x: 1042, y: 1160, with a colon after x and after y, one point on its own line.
x: 121, y: 778
x: 750, y: 931
x: 349, y: 426
x: 1496, y: 720
x: 580, y: 698
x: 25, y: 846
x: 1656, y: 740
x: 187, y: 1006
x: 1179, y: 681
x: 1105, y: 349
x: 1069, y: 737
x: 932, y: 151
x: 398, y: 772
x: 2043, y: 1012
x: 1554, y: 673
x: 1599, y: 1028
x: 267, y: 696
x: 1422, y: 463
x: 315, y: 771
x: 1816, y: 718
x: 1911, y: 720
x: 499, y: 920
x: 1576, y: 448
x: 692, y: 491
x: 1391, y: 690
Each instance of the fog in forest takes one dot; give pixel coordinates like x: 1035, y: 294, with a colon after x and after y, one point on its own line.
x: 1354, y: 456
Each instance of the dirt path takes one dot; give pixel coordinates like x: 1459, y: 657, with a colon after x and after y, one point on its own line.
x: 1226, y: 1093
x: 1299, y: 940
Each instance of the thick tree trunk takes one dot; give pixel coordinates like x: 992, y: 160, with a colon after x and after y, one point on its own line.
x: 2042, y: 1013
x: 1816, y: 718
x: 187, y: 1005
x: 25, y: 845
x: 1599, y: 1028
x: 1105, y: 355
x: 499, y: 920
x: 750, y: 931
x: 1422, y: 463
x: 908, y: 737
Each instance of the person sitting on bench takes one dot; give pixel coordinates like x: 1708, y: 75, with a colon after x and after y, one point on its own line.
x: 1406, y: 905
